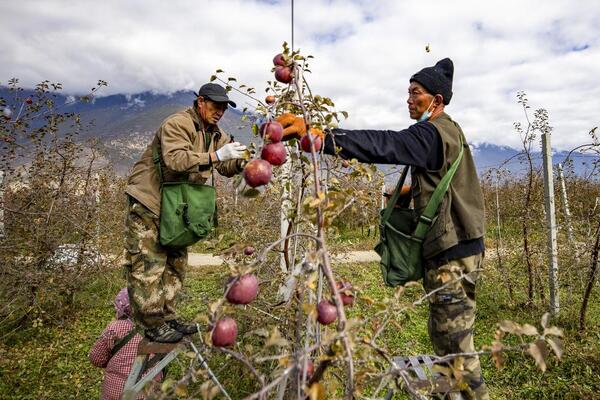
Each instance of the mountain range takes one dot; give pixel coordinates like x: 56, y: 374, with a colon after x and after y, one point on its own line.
x: 125, y: 124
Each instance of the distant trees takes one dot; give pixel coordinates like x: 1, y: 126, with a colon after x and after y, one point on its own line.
x: 60, y: 201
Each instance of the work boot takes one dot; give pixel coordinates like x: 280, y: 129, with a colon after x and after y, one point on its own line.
x: 186, y: 329
x: 163, y: 334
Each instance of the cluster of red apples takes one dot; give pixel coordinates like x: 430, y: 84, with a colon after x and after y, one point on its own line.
x: 259, y: 172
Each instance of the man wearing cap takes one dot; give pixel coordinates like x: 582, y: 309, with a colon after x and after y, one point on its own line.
x: 453, y: 247
x: 190, y: 144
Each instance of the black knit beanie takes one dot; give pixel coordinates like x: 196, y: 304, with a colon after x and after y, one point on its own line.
x: 437, y: 79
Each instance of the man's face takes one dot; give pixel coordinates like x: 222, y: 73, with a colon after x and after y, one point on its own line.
x: 418, y: 100
x: 210, y: 111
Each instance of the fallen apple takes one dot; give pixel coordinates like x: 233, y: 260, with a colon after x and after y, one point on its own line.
x: 224, y: 332
x: 283, y: 74
x: 326, y: 312
x: 305, y: 142
x: 258, y: 173
x: 274, y: 153
x: 272, y: 131
x: 248, y: 250
x: 244, y: 290
x: 344, y: 288
x: 310, y: 368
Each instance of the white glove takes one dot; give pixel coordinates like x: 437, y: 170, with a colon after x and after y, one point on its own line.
x: 231, y: 151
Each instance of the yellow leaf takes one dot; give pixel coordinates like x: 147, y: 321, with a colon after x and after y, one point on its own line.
x: 539, y: 352
x: 444, y: 277
x: 557, y: 346
x: 316, y: 392
x: 181, y: 390
x: 545, y: 318
x: 528, y: 330
x: 553, y: 330
x: 367, y: 299
x: 509, y: 326
x: 315, y: 203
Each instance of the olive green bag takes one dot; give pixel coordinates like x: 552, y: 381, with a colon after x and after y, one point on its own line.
x: 187, y: 210
x: 402, y: 232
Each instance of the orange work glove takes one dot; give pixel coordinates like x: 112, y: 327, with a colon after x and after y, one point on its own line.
x: 294, y: 126
x: 317, y: 132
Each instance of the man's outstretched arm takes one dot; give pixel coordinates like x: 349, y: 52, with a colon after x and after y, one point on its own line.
x: 419, y: 145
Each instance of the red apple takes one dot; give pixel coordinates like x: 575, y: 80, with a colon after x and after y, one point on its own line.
x: 279, y: 60
x: 244, y: 290
x: 305, y: 142
x: 270, y: 99
x: 225, y: 332
x: 272, y: 131
x: 326, y: 312
x: 248, y: 250
x: 258, y: 173
x: 274, y: 153
x: 29, y: 101
x: 310, y: 368
x: 344, y: 288
x: 283, y: 74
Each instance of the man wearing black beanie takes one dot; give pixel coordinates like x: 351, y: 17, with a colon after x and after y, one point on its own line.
x: 453, y: 247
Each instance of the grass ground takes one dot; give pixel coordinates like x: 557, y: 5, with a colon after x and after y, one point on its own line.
x: 51, y: 362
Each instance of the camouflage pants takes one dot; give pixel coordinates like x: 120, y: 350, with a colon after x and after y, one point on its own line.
x: 154, y: 273
x: 452, y: 315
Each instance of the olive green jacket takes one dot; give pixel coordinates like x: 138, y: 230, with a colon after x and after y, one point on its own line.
x: 461, y: 214
x: 184, y: 157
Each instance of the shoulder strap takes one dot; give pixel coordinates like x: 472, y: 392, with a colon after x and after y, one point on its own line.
x: 426, y: 218
x: 123, y: 341
x: 156, y: 155
x: 392, y: 201
x: 156, y: 160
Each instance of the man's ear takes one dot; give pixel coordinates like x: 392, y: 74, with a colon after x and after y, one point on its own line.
x: 439, y: 100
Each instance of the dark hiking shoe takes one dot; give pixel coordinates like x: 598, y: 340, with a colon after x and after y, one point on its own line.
x: 186, y: 329
x: 163, y: 334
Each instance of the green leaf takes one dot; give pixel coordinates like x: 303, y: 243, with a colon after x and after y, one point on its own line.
x: 213, y: 77
x: 251, y: 193
x: 231, y: 79
x: 219, y: 71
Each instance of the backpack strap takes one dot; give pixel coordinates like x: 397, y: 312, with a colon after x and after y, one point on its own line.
x: 392, y: 201
x: 156, y: 160
x: 426, y: 218
x: 122, y: 342
x: 156, y: 155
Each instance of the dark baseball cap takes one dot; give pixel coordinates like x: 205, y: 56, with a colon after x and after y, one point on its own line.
x: 216, y: 93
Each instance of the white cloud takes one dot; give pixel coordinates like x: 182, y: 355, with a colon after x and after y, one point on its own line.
x: 365, y: 52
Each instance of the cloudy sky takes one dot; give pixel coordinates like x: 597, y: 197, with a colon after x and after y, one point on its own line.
x: 365, y: 51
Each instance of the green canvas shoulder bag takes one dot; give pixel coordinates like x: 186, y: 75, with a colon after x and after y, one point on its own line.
x: 187, y: 210
x: 402, y: 231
